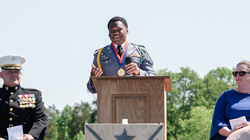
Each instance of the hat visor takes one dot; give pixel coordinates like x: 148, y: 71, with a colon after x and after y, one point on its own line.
x: 12, y: 68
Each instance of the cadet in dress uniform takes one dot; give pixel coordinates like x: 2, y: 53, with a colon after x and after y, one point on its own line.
x: 19, y: 105
x: 110, y: 60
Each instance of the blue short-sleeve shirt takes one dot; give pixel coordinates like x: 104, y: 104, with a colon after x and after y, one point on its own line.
x: 230, y: 105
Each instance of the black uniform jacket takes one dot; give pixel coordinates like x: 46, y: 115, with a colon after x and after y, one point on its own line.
x: 22, y: 106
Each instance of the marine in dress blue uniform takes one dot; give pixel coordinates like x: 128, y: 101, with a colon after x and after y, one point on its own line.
x: 19, y: 105
x: 141, y: 64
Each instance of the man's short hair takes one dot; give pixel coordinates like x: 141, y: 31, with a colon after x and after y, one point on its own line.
x: 117, y: 18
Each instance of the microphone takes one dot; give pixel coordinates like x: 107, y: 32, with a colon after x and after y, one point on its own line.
x: 128, y: 60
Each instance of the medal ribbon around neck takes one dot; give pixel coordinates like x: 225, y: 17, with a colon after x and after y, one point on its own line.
x: 119, y: 59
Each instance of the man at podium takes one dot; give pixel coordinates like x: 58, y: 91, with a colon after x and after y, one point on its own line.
x: 120, y: 58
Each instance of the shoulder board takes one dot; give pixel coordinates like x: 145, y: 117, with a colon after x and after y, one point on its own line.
x: 96, y: 51
x: 30, y: 89
x: 106, y: 46
x: 141, y: 46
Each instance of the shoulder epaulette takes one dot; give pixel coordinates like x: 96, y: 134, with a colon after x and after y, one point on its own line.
x: 96, y: 51
x: 141, y: 46
x: 30, y: 89
x: 142, y: 50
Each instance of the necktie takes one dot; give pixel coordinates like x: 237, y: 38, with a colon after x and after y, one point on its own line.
x: 119, y: 48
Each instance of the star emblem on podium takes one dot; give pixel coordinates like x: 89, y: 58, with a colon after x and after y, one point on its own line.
x: 124, y: 136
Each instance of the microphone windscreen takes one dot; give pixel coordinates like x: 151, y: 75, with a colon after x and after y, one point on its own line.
x: 128, y: 59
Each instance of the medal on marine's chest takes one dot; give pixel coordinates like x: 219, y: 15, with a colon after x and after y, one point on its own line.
x: 120, y: 59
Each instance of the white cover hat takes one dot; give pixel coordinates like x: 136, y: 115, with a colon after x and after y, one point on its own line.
x: 11, y: 61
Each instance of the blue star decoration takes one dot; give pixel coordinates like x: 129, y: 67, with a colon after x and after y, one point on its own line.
x: 124, y: 136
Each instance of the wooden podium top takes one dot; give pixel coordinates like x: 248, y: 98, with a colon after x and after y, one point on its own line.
x: 128, y: 77
x: 166, y: 79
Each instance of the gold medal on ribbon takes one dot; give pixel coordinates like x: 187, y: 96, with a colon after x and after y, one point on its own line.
x: 121, y: 72
x: 120, y: 57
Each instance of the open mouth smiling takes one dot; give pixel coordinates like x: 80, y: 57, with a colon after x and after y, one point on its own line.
x: 116, y: 37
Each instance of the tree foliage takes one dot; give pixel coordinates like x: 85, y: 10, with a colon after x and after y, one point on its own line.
x: 63, y: 123
x: 198, y: 126
x: 217, y: 81
x: 189, y: 91
x: 69, y: 124
x: 80, y: 113
x: 184, y: 95
x: 79, y: 136
x: 52, y: 133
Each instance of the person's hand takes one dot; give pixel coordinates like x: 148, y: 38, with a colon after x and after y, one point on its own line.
x: 28, y: 137
x: 132, y: 68
x: 95, y: 71
x: 244, y: 124
x: 2, y: 138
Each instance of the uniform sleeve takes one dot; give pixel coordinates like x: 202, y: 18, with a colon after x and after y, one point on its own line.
x: 40, y: 119
x: 219, y: 118
x: 146, y: 68
x: 90, y: 84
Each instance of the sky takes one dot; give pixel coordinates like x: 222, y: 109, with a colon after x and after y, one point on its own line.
x: 58, y: 38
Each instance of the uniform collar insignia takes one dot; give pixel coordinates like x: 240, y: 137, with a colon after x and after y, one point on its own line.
x: 11, y: 88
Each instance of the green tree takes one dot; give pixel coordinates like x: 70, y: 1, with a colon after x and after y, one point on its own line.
x: 186, y: 87
x: 217, y: 81
x: 79, y: 136
x: 80, y: 113
x: 198, y: 126
x: 52, y: 133
x: 63, y: 123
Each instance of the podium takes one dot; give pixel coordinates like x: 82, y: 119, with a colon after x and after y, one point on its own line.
x: 140, y: 99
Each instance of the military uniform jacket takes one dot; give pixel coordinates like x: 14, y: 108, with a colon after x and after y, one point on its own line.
x: 21, y: 106
x: 110, y: 66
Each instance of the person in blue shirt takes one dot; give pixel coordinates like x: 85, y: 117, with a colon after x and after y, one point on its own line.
x: 232, y: 104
